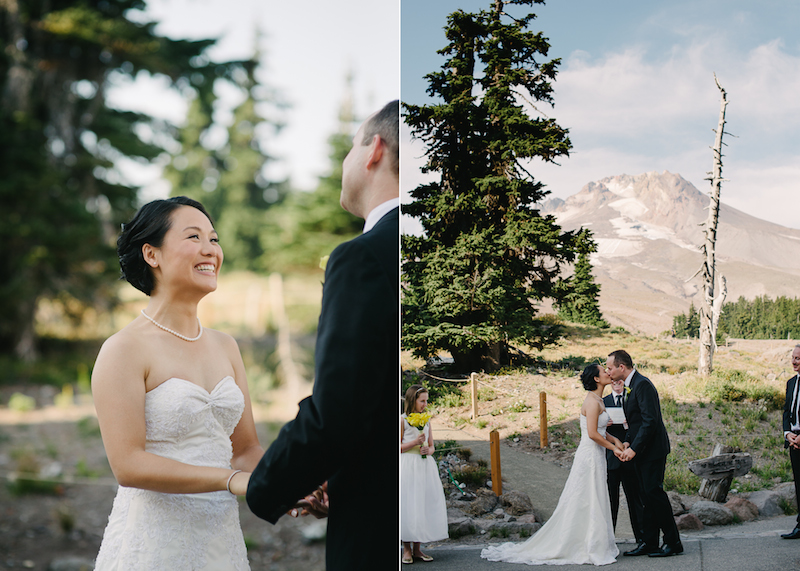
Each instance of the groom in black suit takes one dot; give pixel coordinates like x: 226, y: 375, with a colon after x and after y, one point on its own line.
x: 342, y: 432
x: 620, y: 472
x: 791, y: 431
x: 646, y: 445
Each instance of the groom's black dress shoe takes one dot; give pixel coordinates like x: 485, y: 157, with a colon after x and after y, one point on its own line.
x: 794, y: 534
x: 641, y: 549
x: 669, y: 550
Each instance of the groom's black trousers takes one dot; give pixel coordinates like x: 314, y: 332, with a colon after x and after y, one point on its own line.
x: 794, y: 457
x: 625, y: 474
x: 657, y: 509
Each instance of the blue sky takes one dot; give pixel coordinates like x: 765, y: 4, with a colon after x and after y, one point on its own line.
x: 636, y: 90
x: 308, y: 48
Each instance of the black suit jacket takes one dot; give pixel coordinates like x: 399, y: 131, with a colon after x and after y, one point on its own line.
x: 787, y: 405
x: 614, y: 430
x: 646, y: 432
x: 342, y: 430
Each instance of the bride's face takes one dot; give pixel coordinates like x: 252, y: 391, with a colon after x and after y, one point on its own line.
x: 603, y: 378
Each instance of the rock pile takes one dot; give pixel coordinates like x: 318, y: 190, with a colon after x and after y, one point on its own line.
x: 479, y: 511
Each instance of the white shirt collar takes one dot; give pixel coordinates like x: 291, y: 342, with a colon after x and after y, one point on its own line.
x: 378, y: 212
x: 628, y: 378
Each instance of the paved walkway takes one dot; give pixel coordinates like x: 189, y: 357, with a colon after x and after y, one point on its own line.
x: 752, y: 546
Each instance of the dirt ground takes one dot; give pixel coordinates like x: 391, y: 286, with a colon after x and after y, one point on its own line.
x: 67, y: 519
x: 510, y: 403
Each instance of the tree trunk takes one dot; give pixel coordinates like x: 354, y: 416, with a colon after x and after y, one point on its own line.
x: 710, y: 304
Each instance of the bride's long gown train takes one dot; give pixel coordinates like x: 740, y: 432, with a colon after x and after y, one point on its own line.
x: 580, y: 529
x: 150, y: 531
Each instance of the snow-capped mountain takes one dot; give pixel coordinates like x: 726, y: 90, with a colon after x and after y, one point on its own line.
x: 649, y: 229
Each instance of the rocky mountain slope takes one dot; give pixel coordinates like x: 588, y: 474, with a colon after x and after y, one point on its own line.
x: 649, y: 231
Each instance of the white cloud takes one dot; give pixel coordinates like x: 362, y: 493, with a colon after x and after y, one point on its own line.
x: 629, y: 112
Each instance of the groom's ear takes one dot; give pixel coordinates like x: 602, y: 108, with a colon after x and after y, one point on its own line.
x: 377, y: 148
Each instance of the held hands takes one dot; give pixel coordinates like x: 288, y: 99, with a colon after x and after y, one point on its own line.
x: 794, y: 440
x: 316, y: 504
x: 625, y: 453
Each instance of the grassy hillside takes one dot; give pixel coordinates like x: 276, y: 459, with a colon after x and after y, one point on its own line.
x: 740, y: 405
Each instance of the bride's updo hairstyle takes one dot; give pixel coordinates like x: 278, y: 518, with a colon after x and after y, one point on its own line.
x: 412, y: 393
x: 148, y: 226
x: 588, y: 376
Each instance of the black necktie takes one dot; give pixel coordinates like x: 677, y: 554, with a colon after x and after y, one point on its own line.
x: 619, y: 400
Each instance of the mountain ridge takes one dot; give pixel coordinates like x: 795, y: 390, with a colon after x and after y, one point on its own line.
x: 649, y: 229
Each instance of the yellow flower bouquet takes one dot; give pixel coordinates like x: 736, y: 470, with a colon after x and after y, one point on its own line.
x: 418, y: 420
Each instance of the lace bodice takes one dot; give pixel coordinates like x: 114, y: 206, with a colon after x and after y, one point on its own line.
x: 187, y: 423
x: 602, y: 423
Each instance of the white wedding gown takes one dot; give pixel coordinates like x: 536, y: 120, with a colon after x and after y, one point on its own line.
x: 151, y: 531
x: 580, y: 529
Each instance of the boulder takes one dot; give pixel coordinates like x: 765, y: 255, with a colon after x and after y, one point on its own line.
x: 787, y: 492
x: 688, y: 522
x: 712, y: 513
x: 767, y: 503
x: 455, y: 513
x: 528, y: 518
x: 484, y: 503
x: 516, y: 503
x: 677, y: 504
x: 744, y: 509
x: 459, y: 527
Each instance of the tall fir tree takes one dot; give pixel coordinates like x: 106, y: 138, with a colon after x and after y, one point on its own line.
x: 229, y: 178
x: 61, y: 197
x: 472, y: 282
x: 312, y: 224
x: 579, y: 298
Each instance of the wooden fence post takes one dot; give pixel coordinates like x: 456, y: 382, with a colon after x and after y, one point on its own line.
x: 543, y: 419
x: 473, y: 377
x: 497, y: 476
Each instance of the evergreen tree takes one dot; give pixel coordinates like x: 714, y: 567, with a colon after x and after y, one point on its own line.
x: 61, y: 197
x: 229, y: 179
x: 693, y: 322
x: 579, y: 298
x: 487, y: 256
x: 311, y: 224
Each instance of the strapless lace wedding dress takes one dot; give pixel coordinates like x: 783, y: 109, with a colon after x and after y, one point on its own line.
x: 151, y: 531
x: 580, y: 529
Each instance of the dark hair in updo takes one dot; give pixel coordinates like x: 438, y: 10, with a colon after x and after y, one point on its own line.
x: 588, y: 375
x: 149, y: 225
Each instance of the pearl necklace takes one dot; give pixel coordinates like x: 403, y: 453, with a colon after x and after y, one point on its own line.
x: 175, y: 333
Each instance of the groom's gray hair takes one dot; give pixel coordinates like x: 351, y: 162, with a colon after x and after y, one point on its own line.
x: 621, y: 357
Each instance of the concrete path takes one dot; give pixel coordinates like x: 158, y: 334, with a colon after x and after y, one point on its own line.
x: 752, y: 546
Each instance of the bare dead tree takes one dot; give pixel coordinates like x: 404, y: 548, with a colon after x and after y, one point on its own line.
x: 712, y: 305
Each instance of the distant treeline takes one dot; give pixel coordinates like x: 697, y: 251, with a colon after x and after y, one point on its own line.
x: 759, y: 318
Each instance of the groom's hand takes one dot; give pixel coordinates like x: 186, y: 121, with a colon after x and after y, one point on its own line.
x: 628, y: 454
x: 315, y: 504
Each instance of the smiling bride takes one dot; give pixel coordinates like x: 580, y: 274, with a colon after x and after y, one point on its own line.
x: 173, y: 405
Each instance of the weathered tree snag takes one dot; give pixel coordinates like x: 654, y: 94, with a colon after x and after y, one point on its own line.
x: 711, y: 305
x: 719, y: 470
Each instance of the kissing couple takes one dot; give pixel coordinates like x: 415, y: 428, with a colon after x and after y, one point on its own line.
x: 580, y: 530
